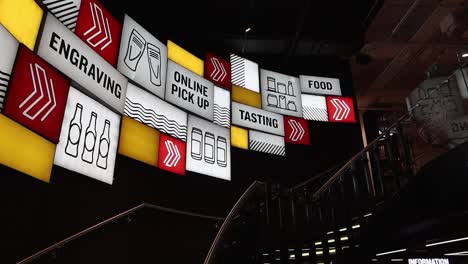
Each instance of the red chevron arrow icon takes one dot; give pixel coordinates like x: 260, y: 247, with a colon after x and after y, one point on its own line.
x: 100, y: 29
x: 43, y: 86
x: 297, y: 130
x: 342, y: 109
x: 219, y: 73
x: 173, y: 155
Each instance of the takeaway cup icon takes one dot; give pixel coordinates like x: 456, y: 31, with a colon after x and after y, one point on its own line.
x: 135, y: 48
x: 154, y: 62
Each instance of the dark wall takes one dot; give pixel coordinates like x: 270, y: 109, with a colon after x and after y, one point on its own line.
x: 36, y: 215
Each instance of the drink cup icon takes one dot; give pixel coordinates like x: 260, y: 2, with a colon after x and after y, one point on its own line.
x: 135, y: 49
x: 154, y: 62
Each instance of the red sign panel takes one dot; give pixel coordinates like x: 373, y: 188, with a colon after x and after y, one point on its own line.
x: 171, y: 154
x: 296, y: 130
x: 218, y: 71
x: 37, y: 95
x: 99, y: 29
x: 341, y: 109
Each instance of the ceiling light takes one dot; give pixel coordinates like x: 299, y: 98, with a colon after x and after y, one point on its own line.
x: 248, y: 29
x: 390, y: 252
x: 464, y: 55
x: 446, y: 242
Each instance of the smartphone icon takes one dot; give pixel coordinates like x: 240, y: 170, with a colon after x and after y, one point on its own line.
x: 196, y: 144
x: 221, y: 154
x: 209, y: 148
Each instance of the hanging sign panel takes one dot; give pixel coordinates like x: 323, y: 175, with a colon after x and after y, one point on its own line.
x: 258, y: 119
x: 320, y: 85
x: 208, y: 148
x: 65, y: 51
x: 266, y: 143
x: 280, y: 93
x: 172, y: 154
x: 99, y: 29
x: 37, y: 95
x: 314, y: 107
x: 341, y: 109
x: 142, y: 57
x: 222, y: 107
x: 154, y: 112
x: 244, y: 73
x: 189, y: 91
x: 296, y: 130
x: 64, y: 10
x: 218, y: 70
x: 8, y: 55
x: 89, y: 137
x: 183, y: 57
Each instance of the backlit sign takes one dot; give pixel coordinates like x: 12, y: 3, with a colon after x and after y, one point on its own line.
x: 99, y: 29
x: 320, y: 85
x: 280, y: 93
x: 23, y: 19
x: 296, y: 130
x: 428, y: 261
x: 89, y: 138
x: 266, y: 143
x: 258, y: 119
x: 142, y: 57
x: 239, y: 137
x: 189, y: 91
x: 154, y: 112
x: 64, y: 10
x: 8, y: 54
x: 172, y: 154
x: 25, y: 151
x: 341, y: 109
x: 37, y: 95
x: 244, y: 73
x: 182, y: 57
x: 218, y: 70
x: 64, y: 50
x: 222, y: 107
x: 246, y: 96
x: 314, y: 107
x: 208, y: 148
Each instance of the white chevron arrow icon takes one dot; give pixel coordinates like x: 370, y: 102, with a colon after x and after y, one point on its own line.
x: 173, y: 155
x: 297, y: 130
x: 39, y: 78
x: 220, y: 72
x: 100, y: 22
x: 342, y: 110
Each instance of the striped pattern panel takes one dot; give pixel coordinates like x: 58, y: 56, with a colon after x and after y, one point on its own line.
x: 238, y: 70
x: 267, y: 147
x: 64, y: 10
x: 4, y: 80
x: 221, y: 116
x: 315, y: 113
x: 151, y: 118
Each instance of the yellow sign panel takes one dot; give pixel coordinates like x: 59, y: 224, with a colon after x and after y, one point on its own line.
x: 24, y: 150
x: 139, y: 141
x: 22, y: 18
x: 184, y: 58
x: 239, y: 137
x: 246, y: 96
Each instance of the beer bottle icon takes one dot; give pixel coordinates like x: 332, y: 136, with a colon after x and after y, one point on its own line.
x: 104, y: 144
x: 90, y: 140
x: 74, y: 132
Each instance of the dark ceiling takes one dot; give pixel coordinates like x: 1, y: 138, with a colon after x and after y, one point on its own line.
x: 279, y: 28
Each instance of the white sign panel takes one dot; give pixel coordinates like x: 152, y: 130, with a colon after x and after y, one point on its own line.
x: 320, y: 85
x: 89, y: 138
x: 64, y: 50
x: 266, y: 143
x: 154, y: 112
x: 64, y: 10
x: 7, y: 54
x: 314, y: 107
x: 244, y: 73
x: 222, y: 107
x: 189, y: 91
x: 208, y: 148
x: 280, y: 93
x: 258, y: 119
x: 142, y: 58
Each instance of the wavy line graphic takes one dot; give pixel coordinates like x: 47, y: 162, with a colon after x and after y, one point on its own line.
x: 221, y: 115
x: 152, y: 119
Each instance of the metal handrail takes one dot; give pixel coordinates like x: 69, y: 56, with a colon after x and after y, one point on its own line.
x: 317, y: 176
x: 358, y: 155
x: 112, y: 219
x: 215, y: 244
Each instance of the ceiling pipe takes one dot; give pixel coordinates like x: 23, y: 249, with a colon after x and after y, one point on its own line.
x: 403, y: 19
